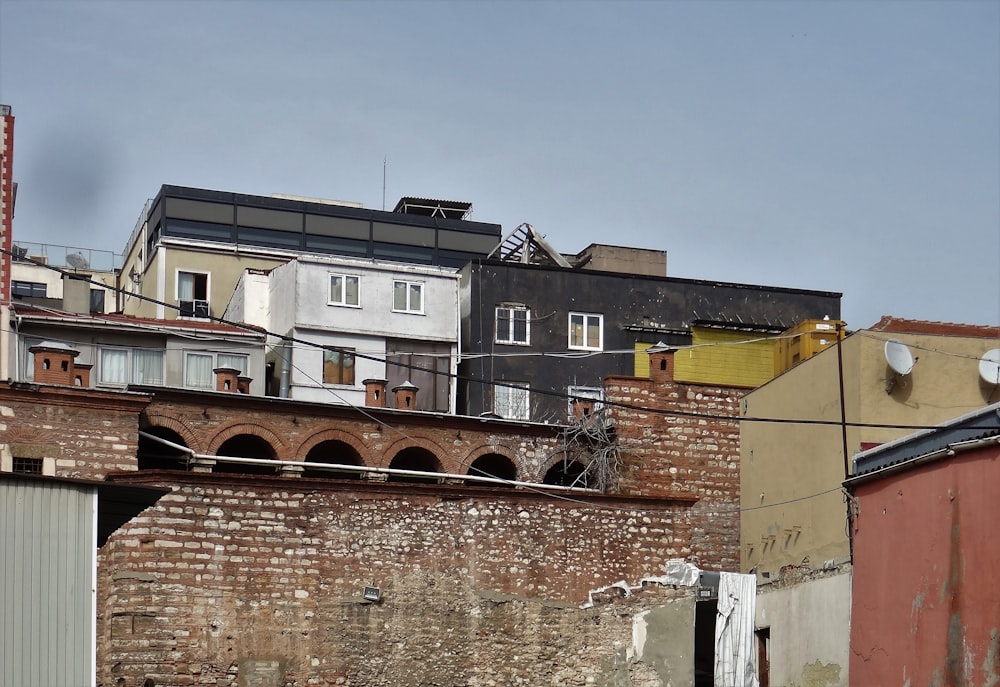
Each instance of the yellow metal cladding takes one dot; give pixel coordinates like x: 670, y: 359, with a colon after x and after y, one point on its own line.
x: 726, y: 357
x: 642, y: 359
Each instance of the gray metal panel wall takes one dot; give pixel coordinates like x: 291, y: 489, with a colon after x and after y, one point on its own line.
x: 47, y: 599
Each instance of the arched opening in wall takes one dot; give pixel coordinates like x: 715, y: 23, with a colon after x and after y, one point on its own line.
x: 337, y: 453
x: 567, y: 473
x: 246, y: 446
x: 154, y: 455
x: 415, y: 458
x: 492, y: 465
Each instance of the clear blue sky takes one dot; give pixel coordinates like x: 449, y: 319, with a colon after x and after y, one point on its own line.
x: 846, y: 146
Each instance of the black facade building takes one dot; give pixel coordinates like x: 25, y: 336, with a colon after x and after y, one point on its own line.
x: 543, y: 332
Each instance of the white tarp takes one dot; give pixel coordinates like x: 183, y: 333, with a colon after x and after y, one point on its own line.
x: 734, y: 637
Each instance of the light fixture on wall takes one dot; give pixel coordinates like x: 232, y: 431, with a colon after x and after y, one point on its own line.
x: 373, y: 594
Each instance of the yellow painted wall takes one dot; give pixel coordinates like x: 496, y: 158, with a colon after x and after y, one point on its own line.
x: 725, y: 357
x: 790, y: 473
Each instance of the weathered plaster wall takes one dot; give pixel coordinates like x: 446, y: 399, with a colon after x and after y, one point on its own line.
x: 231, y: 576
x: 926, y: 610
x: 809, y: 618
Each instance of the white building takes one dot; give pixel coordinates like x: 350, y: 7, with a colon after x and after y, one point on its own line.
x: 347, y: 320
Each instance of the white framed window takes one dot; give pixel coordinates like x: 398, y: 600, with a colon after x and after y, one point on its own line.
x: 345, y: 289
x: 408, y: 296
x: 198, y: 367
x: 575, y: 392
x: 198, y: 370
x: 512, y: 325
x: 586, y: 331
x: 122, y: 366
x: 510, y: 400
x: 192, y: 294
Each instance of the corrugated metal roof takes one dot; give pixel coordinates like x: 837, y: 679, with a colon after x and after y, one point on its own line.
x: 969, y: 429
x: 118, y: 320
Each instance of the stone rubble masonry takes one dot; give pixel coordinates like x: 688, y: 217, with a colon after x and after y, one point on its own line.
x: 84, y: 433
x: 666, y: 454
x: 238, y: 580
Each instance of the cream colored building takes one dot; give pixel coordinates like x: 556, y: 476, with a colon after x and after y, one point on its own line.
x: 793, y: 507
x: 793, y: 521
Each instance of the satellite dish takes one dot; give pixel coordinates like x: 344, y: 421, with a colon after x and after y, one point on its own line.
x: 898, y: 356
x: 78, y: 261
x: 989, y: 367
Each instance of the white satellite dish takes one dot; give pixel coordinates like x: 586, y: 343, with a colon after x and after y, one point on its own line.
x: 898, y: 356
x: 989, y: 367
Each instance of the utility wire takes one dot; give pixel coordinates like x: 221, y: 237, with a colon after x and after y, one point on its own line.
x: 458, y: 377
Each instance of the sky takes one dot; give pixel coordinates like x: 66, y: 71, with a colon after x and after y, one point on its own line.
x: 838, y: 146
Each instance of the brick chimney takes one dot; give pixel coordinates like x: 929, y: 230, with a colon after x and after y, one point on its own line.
x: 375, y: 392
x: 582, y: 407
x: 406, y: 396
x: 661, y: 363
x: 227, y: 379
x: 82, y: 376
x: 54, y: 363
x: 243, y: 385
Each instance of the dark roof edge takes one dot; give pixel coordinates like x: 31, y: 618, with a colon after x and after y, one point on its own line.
x: 676, y: 280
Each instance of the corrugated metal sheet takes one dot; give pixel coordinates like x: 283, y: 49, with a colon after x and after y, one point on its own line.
x: 47, y: 599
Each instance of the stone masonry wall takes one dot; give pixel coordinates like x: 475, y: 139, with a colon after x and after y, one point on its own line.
x: 238, y: 580
x: 78, y: 433
x: 695, y: 452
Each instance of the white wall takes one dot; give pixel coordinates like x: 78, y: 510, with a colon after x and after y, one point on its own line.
x: 810, y: 625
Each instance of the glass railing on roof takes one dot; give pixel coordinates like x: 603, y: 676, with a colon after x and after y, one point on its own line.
x: 70, y: 257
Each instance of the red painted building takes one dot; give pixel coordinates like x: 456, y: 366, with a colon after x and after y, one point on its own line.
x: 925, y: 605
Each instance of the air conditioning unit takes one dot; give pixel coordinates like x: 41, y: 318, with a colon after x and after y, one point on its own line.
x: 193, y: 308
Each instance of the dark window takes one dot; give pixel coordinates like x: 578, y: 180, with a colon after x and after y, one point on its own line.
x: 199, y: 230
x: 27, y: 466
x: 269, y: 237
x: 97, y: 300
x: 28, y: 289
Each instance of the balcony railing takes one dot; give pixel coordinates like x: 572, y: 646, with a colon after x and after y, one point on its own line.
x: 70, y: 257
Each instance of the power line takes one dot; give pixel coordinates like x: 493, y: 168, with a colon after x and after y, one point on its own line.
x: 491, y: 383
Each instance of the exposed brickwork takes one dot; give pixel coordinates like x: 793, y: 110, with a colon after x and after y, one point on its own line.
x: 888, y: 323
x: 206, y: 421
x: 478, y: 586
x: 6, y: 199
x: 666, y: 454
x: 87, y: 433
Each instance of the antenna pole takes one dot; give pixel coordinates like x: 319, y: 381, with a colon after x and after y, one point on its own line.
x: 385, y: 161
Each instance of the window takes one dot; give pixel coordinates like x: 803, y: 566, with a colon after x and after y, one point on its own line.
x: 512, y: 324
x: 345, y: 290
x: 192, y: 294
x: 407, y: 296
x: 338, y: 367
x: 27, y: 466
x: 97, y: 300
x: 586, y: 331
x: 121, y: 366
x: 511, y: 400
x: 198, y: 367
x: 28, y: 289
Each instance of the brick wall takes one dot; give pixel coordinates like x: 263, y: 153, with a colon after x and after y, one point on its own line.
x: 82, y: 434
x: 664, y: 453
x: 233, y: 578
x: 205, y: 421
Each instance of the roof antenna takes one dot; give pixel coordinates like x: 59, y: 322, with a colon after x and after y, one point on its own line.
x: 385, y: 161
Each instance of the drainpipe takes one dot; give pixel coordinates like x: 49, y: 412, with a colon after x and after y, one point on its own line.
x: 843, y: 438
